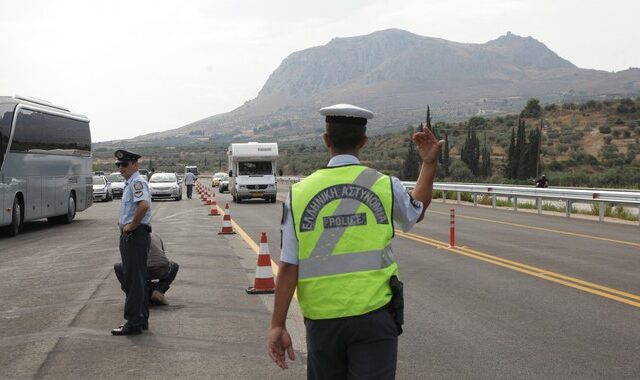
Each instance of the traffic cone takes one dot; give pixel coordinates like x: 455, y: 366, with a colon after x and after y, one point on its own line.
x: 263, y: 283
x: 227, y: 228
x: 214, y: 209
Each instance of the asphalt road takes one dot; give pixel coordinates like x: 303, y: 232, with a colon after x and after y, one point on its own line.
x: 521, y: 296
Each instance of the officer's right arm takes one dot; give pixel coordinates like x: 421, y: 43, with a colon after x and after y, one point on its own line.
x: 428, y: 148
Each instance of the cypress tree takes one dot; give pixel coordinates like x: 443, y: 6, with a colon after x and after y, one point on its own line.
x: 446, y: 158
x: 485, y: 168
x: 470, y: 153
x: 509, y: 165
x: 411, y: 164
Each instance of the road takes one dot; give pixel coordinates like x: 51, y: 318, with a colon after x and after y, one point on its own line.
x: 521, y: 296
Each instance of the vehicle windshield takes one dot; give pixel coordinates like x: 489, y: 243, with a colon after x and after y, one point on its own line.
x: 255, y: 168
x: 219, y: 175
x: 163, y: 177
x: 98, y: 180
x: 116, y: 177
x: 224, y: 178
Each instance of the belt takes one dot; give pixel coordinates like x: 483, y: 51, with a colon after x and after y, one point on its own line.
x: 146, y: 227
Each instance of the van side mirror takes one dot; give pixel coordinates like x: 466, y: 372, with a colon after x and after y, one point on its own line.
x: 230, y: 173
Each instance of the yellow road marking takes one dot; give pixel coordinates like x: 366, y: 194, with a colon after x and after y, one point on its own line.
x: 543, y: 229
x: 245, y: 236
x: 572, y: 282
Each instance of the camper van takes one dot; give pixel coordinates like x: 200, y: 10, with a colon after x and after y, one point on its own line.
x: 191, y: 168
x: 252, y: 169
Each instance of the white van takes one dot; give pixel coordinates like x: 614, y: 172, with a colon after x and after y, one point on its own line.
x: 252, y: 171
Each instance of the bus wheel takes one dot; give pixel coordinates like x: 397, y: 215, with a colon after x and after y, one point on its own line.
x: 71, y: 210
x: 16, y: 219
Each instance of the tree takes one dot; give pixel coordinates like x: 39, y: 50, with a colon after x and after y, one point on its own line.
x: 532, y: 109
x: 485, y: 166
x: 446, y: 158
x: 510, y: 168
x: 470, y: 153
x: 411, y: 164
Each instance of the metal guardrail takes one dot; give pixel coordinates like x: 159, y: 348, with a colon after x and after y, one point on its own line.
x: 568, y: 196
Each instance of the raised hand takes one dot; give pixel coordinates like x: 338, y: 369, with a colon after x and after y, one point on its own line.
x: 427, y: 146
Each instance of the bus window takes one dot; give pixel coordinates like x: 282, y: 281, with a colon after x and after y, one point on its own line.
x: 6, y: 117
x: 37, y: 131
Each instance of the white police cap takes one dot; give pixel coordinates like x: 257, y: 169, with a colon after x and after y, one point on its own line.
x: 346, y: 110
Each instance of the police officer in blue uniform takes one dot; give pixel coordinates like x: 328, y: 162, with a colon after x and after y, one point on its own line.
x: 354, y: 342
x: 134, y: 223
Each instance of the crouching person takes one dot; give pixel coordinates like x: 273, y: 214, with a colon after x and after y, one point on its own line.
x: 158, y: 268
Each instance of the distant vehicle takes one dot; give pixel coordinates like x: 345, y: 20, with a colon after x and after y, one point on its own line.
x: 165, y: 186
x: 102, y: 188
x: 144, y: 172
x: 98, y: 172
x: 191, y: 168
x: 144, y: 176
x: 215, y: 181
x: 45, y: 162
x: 252, y: 171
x: 223, y: 184
x: 117, y: 184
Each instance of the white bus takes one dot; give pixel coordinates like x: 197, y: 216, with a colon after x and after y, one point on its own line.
x: 45, y: 162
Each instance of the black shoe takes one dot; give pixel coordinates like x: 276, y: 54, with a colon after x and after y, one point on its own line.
x: 144, y: 327
x: 126, y: 329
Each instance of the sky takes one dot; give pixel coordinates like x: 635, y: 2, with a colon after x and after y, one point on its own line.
x: 141, y: 66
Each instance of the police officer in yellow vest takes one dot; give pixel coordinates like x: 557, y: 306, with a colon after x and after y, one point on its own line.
x: 337, y: 227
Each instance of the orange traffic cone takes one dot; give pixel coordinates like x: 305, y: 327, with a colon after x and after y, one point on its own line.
x: 227, y: 228
x: 263, y: 283
x: 214, y: 209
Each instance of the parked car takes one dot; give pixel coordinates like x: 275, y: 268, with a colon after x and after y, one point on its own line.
x: 224, y: 184
x: 102, y: 188
x: 165, y: 186
x: 215, y: 181
x: 117, y: 184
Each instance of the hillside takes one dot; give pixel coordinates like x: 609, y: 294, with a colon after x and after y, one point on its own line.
x: 396, y: 73
x: 596, y: 143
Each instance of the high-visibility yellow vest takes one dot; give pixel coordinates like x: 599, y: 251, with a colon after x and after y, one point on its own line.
x: 344, y: 225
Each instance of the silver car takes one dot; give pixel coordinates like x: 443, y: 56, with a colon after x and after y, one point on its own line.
x: 165, y: 186
x: 102, y: 188
x: 117, y: 184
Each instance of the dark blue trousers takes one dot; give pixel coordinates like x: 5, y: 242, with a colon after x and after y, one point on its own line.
x: 134, y: 249
x: 351, y: 348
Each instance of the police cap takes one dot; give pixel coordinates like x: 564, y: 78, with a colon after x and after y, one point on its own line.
x: 346, y: 114
x: 124, y: 155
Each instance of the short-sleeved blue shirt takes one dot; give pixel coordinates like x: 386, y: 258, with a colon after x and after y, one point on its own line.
x: 135, y: 190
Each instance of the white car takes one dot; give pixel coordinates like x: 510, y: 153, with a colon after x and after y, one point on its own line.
x: 117, y: 184
x: 102, y: 188
x: 165, y: 186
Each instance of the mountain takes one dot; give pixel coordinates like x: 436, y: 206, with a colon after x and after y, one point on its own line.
x: 396, y: 74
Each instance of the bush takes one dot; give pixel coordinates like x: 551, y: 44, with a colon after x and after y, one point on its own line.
x: 604, y: 129
x: 532, y: 109
x: 555, y: 166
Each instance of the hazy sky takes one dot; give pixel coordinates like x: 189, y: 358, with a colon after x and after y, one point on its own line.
x: 139, y: 66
